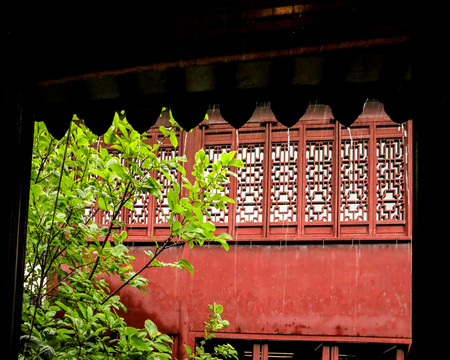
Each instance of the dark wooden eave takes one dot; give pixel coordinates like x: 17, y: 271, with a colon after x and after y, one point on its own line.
x: 198, y: 53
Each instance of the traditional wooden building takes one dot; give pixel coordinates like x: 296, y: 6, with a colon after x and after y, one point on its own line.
x: 192, y: 54
x: 320, y: 266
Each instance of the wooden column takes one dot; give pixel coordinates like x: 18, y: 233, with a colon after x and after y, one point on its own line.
x: 400, y: 354
x: 17, y: 131
x: 330, y: 352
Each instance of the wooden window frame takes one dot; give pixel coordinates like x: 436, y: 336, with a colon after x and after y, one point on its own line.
x: 367, y: 129
x: 267, y: 347
x: 265, y: 130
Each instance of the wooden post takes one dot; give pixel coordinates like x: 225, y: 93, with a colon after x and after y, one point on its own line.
x: 256, y: 351
x: 325, y: 352
x: 400, y: 354
x: 17, y: 131
x: 330, y: 352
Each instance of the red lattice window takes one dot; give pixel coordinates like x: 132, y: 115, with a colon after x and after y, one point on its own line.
x: 162, y: 210
x: 391, y: 179
x: 284, y: 189
x: 213, y: 152
x: 140, y: 216
x: 318, y: 179
x: 354, y: 190
x: 315, y: 181
x: 250, y: 188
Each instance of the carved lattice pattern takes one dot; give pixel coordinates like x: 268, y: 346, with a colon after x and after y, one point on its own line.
x: 390, y: 179
x: 283, y: 193
x: 319, y: 181
x: 162, y: 205
x: 213, y: 153
x: 140, y: 214
x: 354, y: 180
x: 346, y: 186
x: 249, y: 202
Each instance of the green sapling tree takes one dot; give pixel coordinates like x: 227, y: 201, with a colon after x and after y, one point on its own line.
x: 69, y: 311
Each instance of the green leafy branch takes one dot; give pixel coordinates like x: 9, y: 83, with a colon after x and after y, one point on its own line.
x: 214, y: 324
x: 68, y: 308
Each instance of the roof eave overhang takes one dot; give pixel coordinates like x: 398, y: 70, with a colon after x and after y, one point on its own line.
x: 342, y: 75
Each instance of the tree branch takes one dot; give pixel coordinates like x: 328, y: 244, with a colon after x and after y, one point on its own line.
x: 116, y: 213
x: 158, y: 251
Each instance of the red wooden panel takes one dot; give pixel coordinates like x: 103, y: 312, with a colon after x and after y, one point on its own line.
x: 332, y: 290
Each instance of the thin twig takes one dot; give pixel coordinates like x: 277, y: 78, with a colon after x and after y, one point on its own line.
x: 157, y: 252
x: 116, y: 213
x: 41, y: 282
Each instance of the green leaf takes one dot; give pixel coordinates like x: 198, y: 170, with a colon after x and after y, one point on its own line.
x: 186, y: 264
x: 232, y: 153
x: 36, y: 190
x: 209, y: 226
x: 109, y: 136
x: 225, y: 236
x: 173, y: 139
x: 46, y: 352
x: 63, y: 306
x: 82, y: 308
x: 117, y: 169
x: 172, y: 199
x: 176, y: 226
x: 139, y: 343
x: 198, y: 212
x: 124, y: 130
x: 119, y: 249
x: 101, y: 204
x: 218, y: 309
x: 97, y: 172
x: 222, y: 239
x: 236, y: 162
x: 148, y: 253
x: 162, y: 347
x: 129, y: 331
x: 188, y: 350
x: 227, y: 199
x: 164, y: 337
x: 225, y: 158
x: 151, y: 328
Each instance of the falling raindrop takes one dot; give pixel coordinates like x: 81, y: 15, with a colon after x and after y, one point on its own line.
x: 235, y: 268
x: 405, y: 156
x: 185, y: 141
x: 98, y: 151
x: 352, y: 154
x: 285, y: 279
x: 351, y: 139
x: 289, y: 139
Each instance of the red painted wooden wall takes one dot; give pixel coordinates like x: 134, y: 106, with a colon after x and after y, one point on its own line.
x: 342, y: 277
x: 341, y: 290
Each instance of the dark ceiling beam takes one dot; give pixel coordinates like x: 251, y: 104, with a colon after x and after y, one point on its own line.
x: 340, y: 75
x: 390, y: 41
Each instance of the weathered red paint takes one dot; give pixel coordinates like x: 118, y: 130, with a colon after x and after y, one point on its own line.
x: 362, y: 290
x: 326, y: 281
